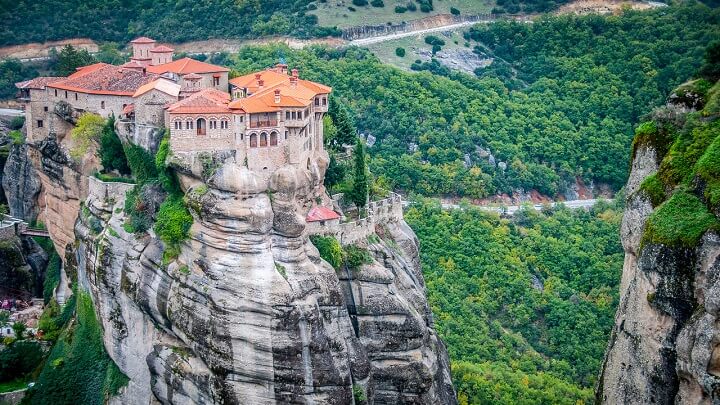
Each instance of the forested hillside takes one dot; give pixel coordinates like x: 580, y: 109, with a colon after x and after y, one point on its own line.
x: 525, y: 306
x: 569, y: 111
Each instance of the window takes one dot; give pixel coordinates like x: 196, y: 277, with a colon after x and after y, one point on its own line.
x: 263, y: 139
x: 253, y: 140
x: 102, y: 105
x: 40, y: 123
x: 273, y: 139
x: 45, y: 108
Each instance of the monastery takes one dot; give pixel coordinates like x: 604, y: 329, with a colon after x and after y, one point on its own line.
x: 268, y: 118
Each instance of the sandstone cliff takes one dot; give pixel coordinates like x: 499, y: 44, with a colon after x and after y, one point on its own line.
x: 248, y: 312
x: 665, y: 345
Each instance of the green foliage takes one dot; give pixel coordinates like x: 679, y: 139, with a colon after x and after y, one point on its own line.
x: 17, y: 137
x: 19, y: 359
x: 173, y: 221
x: 654, y: 188
x: 360, y: 185
x: 400, y: 52
x: 70, y: 58
x: 141, y: 162
x: 112, y: 154
x: 530, y: 298
x: 680, y: 221
x: 87, y: 130
x: 78, y: 369
x: 330, y: 249
x: 356, y: 256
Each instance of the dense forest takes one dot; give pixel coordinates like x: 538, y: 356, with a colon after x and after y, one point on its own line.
x: 525, y: 306
x: 175, y: 21
x: 566, y: 108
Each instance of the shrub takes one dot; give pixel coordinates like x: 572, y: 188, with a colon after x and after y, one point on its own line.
x: 377, y: 3
x: 173, y: 221
x: 400, y: 52
x: 141, y: 162
x: 454, y: 11
x: 19, y: 359
x: 680, y: 221
x: 17, y: 137
x: 400, y: 9
x: 330, y: 250
x: 359, y: 3
x: 356, y: 256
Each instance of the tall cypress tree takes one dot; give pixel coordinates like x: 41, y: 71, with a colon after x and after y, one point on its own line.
x: 359, y: 192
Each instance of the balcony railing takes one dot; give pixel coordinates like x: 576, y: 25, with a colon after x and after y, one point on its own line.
x: 262, y: 124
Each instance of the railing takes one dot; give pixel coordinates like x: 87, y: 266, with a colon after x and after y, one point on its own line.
x: 262, y: 124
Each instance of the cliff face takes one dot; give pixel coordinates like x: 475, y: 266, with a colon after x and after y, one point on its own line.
x: 665, y: 345
x: 248, y: 312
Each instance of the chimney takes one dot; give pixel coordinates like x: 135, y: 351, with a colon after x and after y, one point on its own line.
x: 295, y: 73
x: 277, y: 96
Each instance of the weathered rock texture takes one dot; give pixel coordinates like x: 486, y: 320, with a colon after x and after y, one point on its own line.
x: 249, y: 313
x: 665, y: 345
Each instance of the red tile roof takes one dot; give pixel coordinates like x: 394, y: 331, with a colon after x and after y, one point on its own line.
x: 186, y: 65
x: 321, y: 213
x: 207, y: 100
x: 38, y: 83
x: 102, y: 78
x: 161, y: 49
x: 143, y: 40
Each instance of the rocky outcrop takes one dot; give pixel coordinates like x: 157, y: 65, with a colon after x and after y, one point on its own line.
x: 249, y: 313
x: 665, y: 344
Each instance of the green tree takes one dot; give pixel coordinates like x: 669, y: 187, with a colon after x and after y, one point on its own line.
x: 112, y: 155
x: 70, y: 58
x: 360, y: 186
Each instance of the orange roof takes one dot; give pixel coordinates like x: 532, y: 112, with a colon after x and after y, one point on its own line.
x: 263, y: 99
x: 38, y: 83
x: 186, y: 65
x: 321, y: 213
x: 143, y: 40
x: 164, y: 85
x: 161, y: 49
x: 102, y: 78
x: 207, y: 100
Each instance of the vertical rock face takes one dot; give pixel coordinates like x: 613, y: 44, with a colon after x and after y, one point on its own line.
x: 249, y: 313
x: 665, y: 345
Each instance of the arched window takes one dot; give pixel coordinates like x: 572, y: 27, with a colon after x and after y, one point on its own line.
x: 201, y: 126
x: 253, y: 140
x: 273, y: 139
x: 263, y: 139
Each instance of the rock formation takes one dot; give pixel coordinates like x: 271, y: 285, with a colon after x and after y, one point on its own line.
x: 665, y: 345
x: 248, y: 312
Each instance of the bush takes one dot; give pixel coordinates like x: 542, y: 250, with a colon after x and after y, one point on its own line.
x: 330, y: 250
x: 680, y: 221
x: 400, y: 52
x: 454, y: 11
x: 359, y: 3
x: 173, y: 221
x: 377, y: 3
x: 19, y: 359
x: 400, y: 9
